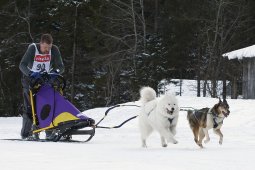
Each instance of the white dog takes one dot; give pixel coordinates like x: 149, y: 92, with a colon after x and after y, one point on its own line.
x: 159, y: 114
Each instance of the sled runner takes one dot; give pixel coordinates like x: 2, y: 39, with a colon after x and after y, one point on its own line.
x: 51, y: 111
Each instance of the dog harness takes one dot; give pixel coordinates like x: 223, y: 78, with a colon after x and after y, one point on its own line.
x: 150, y: 112
x: 170, y: 120
x: 194, y: 113
x: 216, y: 123
x: 215, y: 118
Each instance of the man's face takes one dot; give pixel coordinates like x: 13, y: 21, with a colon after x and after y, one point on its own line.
x: 45, y: 48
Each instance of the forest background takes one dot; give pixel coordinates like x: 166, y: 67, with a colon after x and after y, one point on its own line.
x: 111, y: 48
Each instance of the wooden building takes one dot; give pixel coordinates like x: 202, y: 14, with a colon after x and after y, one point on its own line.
x: 247, y: 55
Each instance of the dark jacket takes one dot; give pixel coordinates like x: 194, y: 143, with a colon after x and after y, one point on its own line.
x: 26, y: 62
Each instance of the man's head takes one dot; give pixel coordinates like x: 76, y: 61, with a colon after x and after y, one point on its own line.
x: 46, y: 43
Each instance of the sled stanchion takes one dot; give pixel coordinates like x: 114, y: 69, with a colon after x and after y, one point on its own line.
x: 32, y: 105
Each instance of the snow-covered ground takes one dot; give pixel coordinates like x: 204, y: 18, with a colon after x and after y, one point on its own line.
x: 120, y: 149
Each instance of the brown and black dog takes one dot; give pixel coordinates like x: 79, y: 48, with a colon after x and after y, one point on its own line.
x: 202, y: 120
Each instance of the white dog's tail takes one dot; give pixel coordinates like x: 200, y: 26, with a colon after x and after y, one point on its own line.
x: 147, y: 94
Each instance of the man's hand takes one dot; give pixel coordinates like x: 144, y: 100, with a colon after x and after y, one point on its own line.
x: 34, y: 75
x: 55, y: 71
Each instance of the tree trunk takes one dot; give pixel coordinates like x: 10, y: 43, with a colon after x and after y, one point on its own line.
x: 224, y: 88
x: 2, y: 84
x: 74, y: 53
x: 25, y: 18
x: 214, y: 88
x: 234, y: 88
x: 156, y: 17
x: 144, y: 26
x: 135, y: 32
x: 204, y: 88
x: 198, y: 86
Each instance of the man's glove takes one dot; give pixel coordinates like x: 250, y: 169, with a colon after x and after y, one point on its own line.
x: 55, y: 71
x: 34, y: 75
x: 54, y: 74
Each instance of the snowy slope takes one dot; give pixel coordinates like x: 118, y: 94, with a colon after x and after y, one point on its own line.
x: 117, y: 149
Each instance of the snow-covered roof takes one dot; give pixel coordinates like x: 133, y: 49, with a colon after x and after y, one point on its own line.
x: 241, y: 53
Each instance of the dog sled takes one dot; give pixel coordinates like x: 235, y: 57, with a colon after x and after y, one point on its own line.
x: 52, y: 112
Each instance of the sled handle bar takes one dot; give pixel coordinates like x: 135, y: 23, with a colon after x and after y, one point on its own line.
x: 46, y: 78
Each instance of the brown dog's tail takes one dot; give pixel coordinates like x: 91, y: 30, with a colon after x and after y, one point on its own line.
x: 190, y: 117
x: 193, y: 118
x: 189, y: 113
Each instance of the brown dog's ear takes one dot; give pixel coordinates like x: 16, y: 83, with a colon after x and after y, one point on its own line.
x: 220, y: 100
x: 225, y: 102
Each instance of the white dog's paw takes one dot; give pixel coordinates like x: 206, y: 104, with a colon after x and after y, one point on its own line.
x: 207, y: 140
x: 144, y: 144
x: 220, y: 142
x: 175, y: 141
x: 164, y: 145
x: 163, y: 142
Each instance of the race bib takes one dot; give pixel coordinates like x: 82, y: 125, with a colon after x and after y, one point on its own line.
x: 41, y: 61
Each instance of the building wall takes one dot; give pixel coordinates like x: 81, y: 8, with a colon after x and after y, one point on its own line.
x: 249, y: 78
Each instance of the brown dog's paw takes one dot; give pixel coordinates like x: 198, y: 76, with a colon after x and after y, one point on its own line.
x: 200, y: 145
